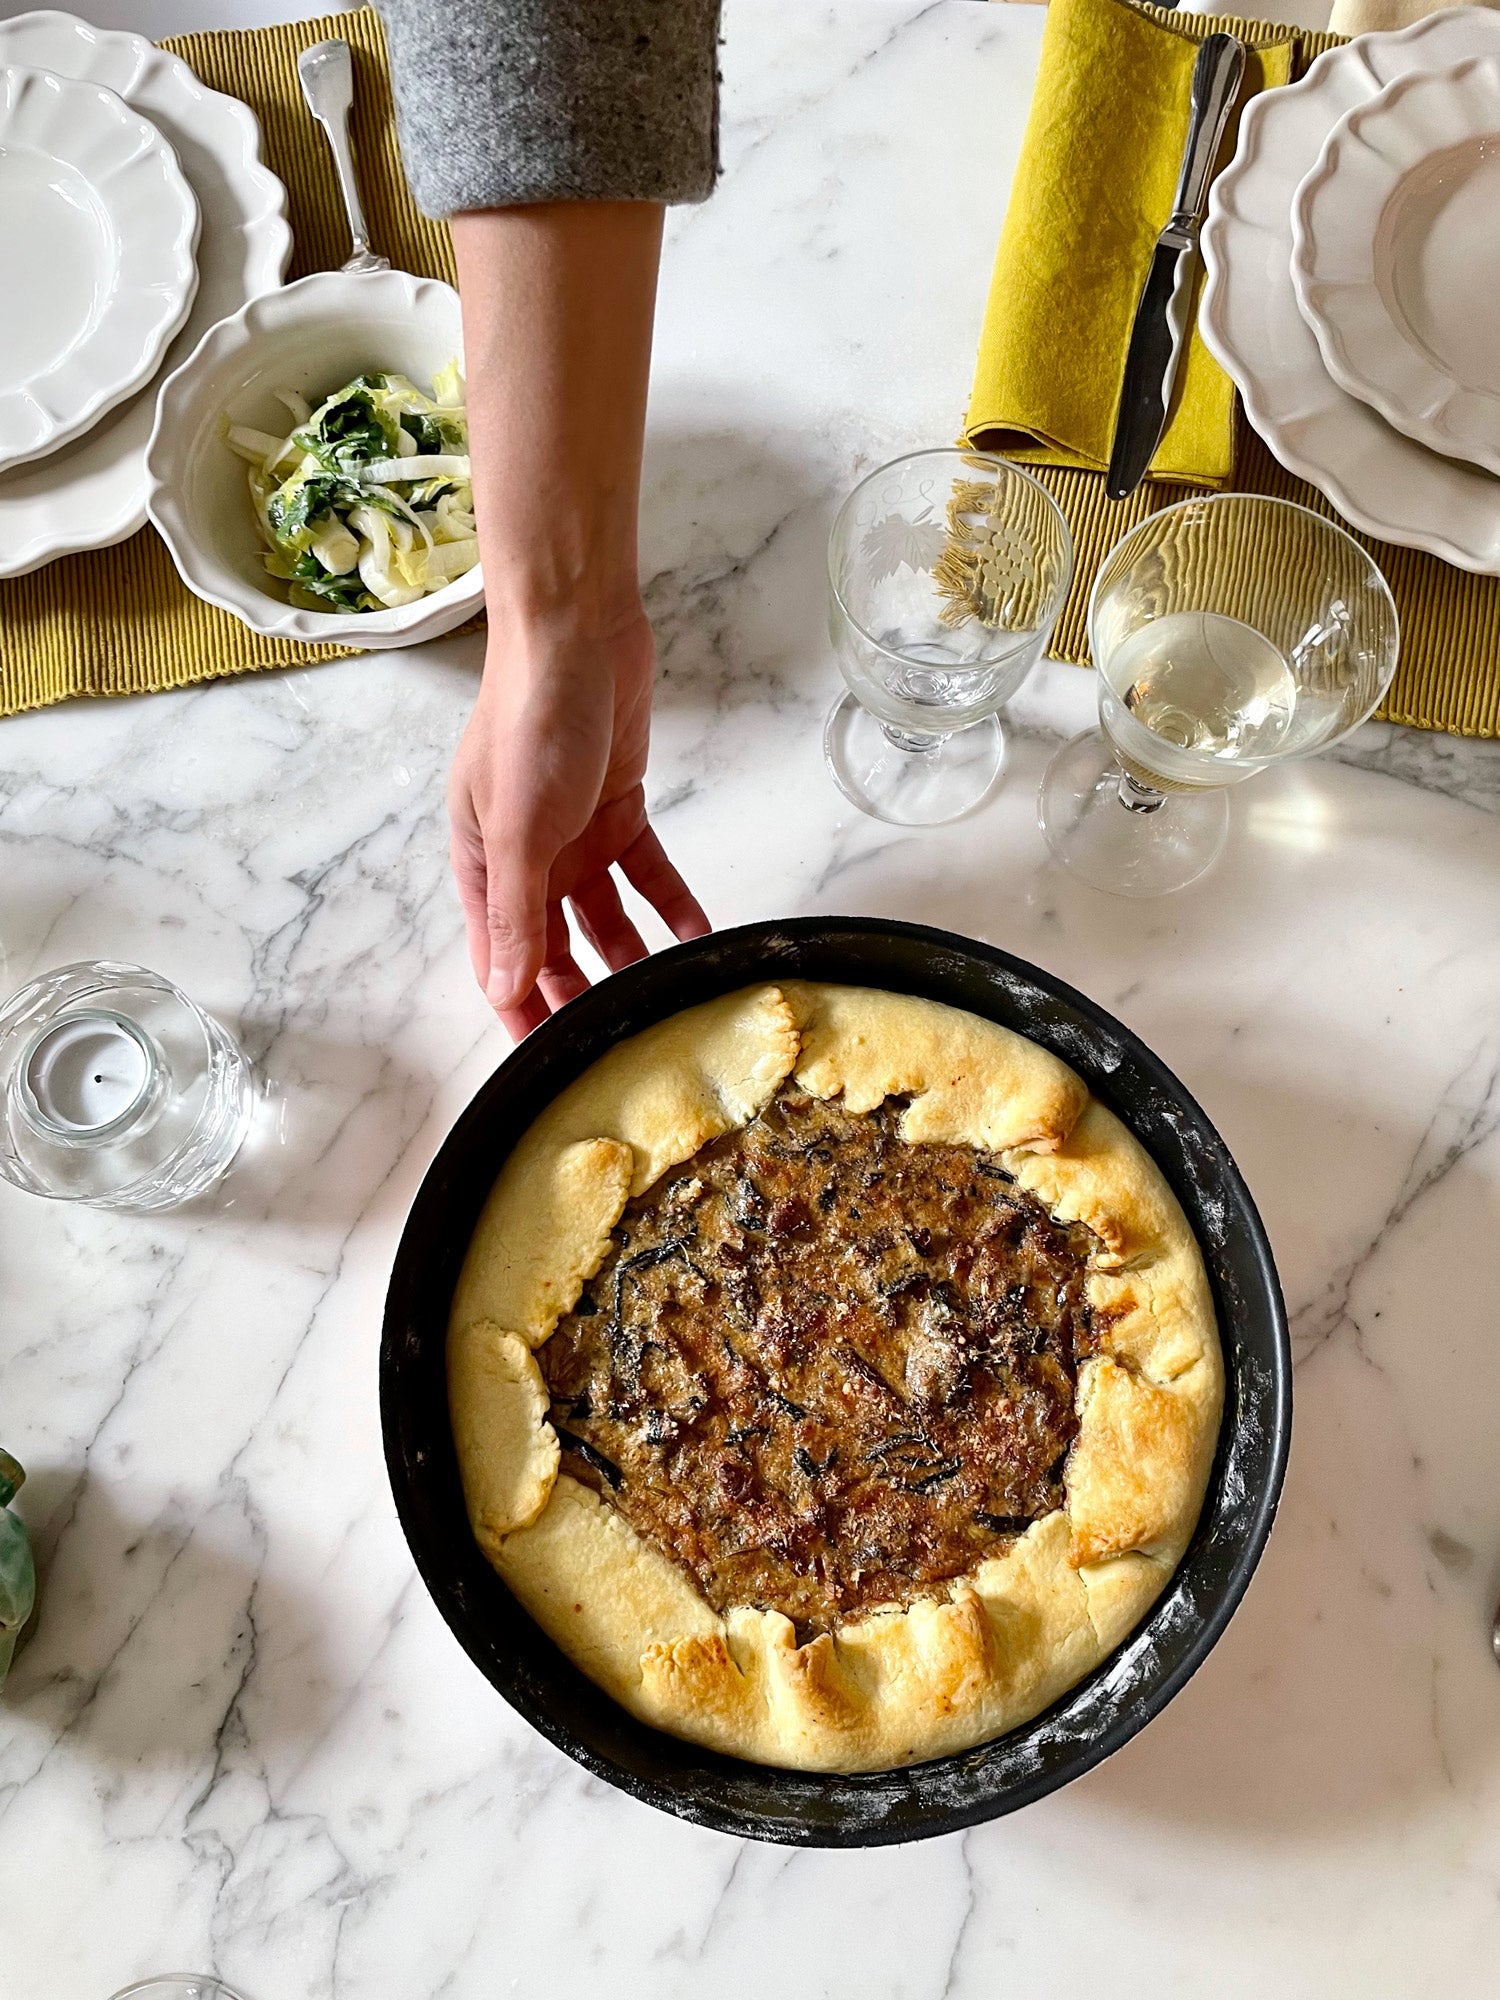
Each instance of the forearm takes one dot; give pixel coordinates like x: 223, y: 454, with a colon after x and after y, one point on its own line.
x: 558, y: 303
x: 548, y: 794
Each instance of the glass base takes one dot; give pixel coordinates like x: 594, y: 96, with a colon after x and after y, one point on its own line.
x: 911, y: 780
x: 178, y: 1986
x: 1144, y: 850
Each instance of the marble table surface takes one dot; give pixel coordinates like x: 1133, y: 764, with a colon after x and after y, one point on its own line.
x: 241, y: 1737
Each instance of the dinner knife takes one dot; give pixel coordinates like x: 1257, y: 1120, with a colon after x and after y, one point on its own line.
x: 1165, y: 310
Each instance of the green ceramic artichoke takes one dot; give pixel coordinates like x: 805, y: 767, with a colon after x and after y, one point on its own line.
x: 17, y: 1576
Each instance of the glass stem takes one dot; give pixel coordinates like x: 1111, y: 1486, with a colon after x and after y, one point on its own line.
x: 1139, y: 798
x: 916, y: 743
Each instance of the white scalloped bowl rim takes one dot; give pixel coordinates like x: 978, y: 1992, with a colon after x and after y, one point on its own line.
x: 1312, y: 426
x: 91, y: 494
x: 1336, y: 230
x: 142, y: 195
x: 312, y: 335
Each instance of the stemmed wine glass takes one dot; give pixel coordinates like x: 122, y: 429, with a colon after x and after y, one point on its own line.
x: 946, y: 572
x: 1229, y: 634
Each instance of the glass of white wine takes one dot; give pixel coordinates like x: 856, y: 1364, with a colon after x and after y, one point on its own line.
x: 946, y: 572
x: 1229, y: 634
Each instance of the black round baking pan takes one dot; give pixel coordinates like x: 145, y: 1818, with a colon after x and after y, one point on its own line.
x: 1096, y: 1717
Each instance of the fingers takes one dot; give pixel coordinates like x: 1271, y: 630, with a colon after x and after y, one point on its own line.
x: 504, y: 899
x: 519, y: 1021
x: 602, y: 919
x: 466, y: 854
x: 560, y: 978
x: 518, y: 938
x: 516, y: 921
x: 646, y: 867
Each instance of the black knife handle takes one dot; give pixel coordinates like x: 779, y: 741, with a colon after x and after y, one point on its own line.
x: 1217, y: 75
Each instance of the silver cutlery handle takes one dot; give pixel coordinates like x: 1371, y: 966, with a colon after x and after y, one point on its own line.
x: 1217, y: 75
x: 327, y: 73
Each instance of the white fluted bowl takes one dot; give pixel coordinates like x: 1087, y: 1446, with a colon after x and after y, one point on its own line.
x: 312, y: 336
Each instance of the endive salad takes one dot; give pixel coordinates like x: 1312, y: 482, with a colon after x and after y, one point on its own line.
x: 366, y: 503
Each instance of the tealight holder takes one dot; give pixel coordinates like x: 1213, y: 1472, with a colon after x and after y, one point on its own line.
x: 117, y: 1090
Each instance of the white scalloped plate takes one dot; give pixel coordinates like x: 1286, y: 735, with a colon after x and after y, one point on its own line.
x: 1384, y: 483
x: 92, y: 492
x: 1396, y: 257
x: 97, y: 233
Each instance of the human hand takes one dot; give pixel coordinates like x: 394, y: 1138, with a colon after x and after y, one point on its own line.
x: 546, y: 798
x: 547, y: 793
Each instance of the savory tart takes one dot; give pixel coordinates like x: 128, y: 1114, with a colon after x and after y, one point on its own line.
x: 832, y: 1377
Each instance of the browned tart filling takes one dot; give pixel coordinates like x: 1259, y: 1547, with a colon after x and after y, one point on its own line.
x: 823, y: 1369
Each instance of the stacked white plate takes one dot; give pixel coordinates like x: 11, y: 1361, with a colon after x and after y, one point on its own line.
x: 1353, y: 281
x: 135, y: 212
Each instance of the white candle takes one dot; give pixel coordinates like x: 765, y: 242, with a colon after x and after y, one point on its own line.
x: 87, y: 1071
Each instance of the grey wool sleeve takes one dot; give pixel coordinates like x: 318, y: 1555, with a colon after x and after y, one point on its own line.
x: 506, y: 101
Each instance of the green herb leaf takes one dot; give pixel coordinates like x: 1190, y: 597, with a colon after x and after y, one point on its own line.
x: 427, y: 431
x: 293, y: 508
x: 435, y: 431
x: 343, y: 593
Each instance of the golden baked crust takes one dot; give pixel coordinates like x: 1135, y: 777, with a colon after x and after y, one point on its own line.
x: 651, y: 1102
x: 893, y: 1686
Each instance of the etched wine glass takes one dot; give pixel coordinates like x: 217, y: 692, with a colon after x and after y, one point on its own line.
x: 1228, y: 634
x: 946, y: 572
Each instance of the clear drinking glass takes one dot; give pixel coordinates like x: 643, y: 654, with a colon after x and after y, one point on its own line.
x: 946, y: 572
x: 1228, y: 634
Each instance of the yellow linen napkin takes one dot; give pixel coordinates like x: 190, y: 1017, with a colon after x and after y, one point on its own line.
x: 1094, y: 186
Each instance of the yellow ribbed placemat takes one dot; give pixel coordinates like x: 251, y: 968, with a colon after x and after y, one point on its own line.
x: 1449, y: 676
x: 119, y: 621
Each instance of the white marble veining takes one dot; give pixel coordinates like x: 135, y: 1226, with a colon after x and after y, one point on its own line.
x: 241, y: 1737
